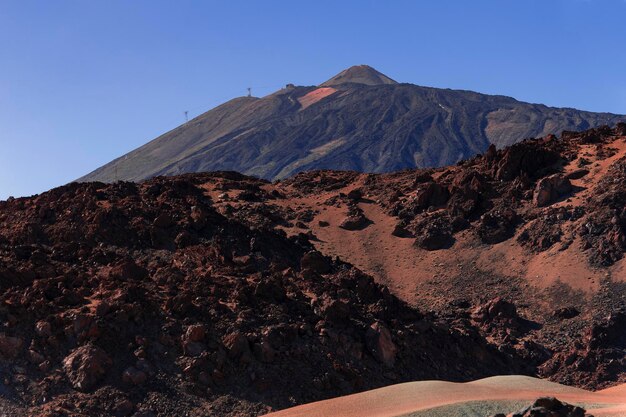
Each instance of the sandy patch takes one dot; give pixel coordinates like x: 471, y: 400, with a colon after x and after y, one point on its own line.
x: 315, y: 96
x: 415, y: 398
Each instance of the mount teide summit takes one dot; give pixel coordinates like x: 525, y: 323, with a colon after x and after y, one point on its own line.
x: 358, y: 120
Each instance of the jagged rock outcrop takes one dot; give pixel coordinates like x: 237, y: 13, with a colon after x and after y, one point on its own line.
x: 550, y: 189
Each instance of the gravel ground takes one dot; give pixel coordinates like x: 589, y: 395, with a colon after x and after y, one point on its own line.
x: 485, y: 409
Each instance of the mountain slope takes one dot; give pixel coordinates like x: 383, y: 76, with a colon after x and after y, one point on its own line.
x: 358, y: 120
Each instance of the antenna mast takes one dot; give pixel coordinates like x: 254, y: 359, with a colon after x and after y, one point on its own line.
x: 186, y: 116
x: 249, y: 91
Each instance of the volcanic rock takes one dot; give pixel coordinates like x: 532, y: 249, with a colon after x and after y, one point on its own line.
x: 380, y: 344
x: 128, y: 270
x: 134, y: 376
x: 264, y: 352
x: 551, y: 407
x: 400, y: 230
x: 434, y: 234
x: 333, y: 310
x: 10, y: 346
x: 497, y: 225
x: 237, y: 344
x: 550, y: 189
x: 43, y: 329
x: 431, y: 194
x: 566, y: 312
x: 195, y: 333
x: 316, y: 262
x: 86, y: 366
x: 520, y: 159
x: 354, y: 222
x: 355, y: 194
x: 577, y: 174
x: 495, y: 309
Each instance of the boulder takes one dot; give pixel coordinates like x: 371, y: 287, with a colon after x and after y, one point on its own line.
x: 236, y: 344
x: 354, y: 222
x: 422, y: 177
x: 43, y: 329
x: 551, y: 407
x: 577, y: 174
x: 184, y: 239
x: 316, y: 262
x: 128, y: 270
x: 280, y: 336
x: 491, y: 152
x: 270, y: 290
x: 163, y: 221
x: 355, y: 194
x: 400, y: 231
x: 566, y: 313
x: 550, y: 189
x: 198, y: 217
x: 608, y: 332
x: 264, y: 352
x: 195, y: 333
x: 494, y: 309
x: 332, y: 310
x: 381, y: 345
x: 497, y: 225
x: 434, y: 239
x: 434, y: 234
x: 86, y: 366
x: 10, y: 346
x: 528, y: 158
x: 431, y: 194
x: 620, y: 129
x: 134, y: 376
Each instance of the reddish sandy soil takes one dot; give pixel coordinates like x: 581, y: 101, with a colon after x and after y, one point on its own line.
x: 315, y: 96
x: 395, y: 262
x: 404, y: 399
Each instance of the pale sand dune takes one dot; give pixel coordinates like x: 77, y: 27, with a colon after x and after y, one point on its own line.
x: 434, y: 398
x: 617, y: 390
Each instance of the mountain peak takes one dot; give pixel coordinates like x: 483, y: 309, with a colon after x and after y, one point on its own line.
x: 359, y: 74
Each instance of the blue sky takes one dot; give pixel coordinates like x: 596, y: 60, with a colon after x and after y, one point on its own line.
x: 82, y: 82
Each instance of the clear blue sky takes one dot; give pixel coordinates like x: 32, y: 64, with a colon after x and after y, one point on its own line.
x: 82, y: 82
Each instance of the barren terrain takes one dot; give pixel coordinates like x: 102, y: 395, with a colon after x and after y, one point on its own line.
x: 223, y: 294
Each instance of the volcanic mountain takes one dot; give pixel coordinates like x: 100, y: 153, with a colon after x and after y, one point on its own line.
x: 358, y: 120
x: 228, y: 295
